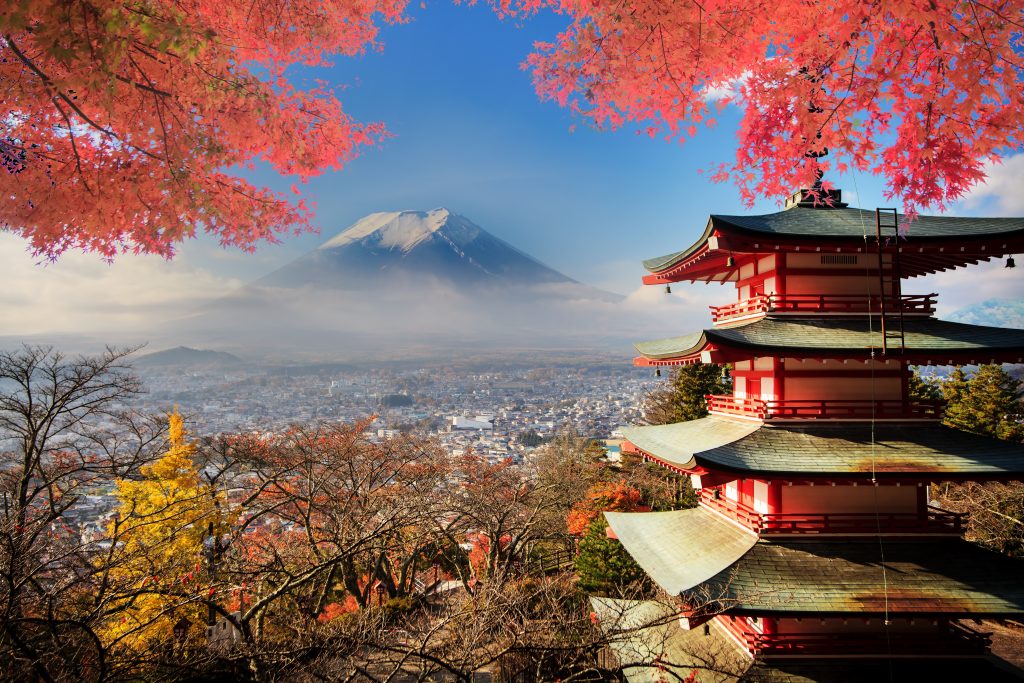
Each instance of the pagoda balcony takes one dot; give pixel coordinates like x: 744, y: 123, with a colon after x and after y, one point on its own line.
x: 836, y: 409
x: 933, y: 521
x: 954, y: 639
x: 823, y: 304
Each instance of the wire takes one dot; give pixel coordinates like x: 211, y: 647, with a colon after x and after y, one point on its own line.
x: 874, y: 405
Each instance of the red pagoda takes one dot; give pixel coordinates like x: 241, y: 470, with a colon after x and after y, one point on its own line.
x: 815, y: 541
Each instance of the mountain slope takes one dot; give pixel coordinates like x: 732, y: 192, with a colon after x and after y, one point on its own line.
x: 404, y: 248
x: 183, y: 356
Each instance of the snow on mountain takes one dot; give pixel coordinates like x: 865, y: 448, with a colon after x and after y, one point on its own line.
x: 405, y: 229
x: 405, y: 248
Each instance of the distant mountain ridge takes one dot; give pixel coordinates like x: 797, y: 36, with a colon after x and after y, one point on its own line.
x: 993, y: 312
x: 406, y: 247
x: 184, y: 356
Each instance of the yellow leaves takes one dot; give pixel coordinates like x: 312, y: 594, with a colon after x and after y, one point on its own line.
x: 162, y: 522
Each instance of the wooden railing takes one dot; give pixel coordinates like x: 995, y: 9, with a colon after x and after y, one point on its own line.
x: 933, y: 521
x: 839, y: 409
x: 731, y: 509
x: 833, y: 304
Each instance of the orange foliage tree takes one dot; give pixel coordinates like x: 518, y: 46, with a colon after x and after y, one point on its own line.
x: 603, y: 497
x: 124, y: 124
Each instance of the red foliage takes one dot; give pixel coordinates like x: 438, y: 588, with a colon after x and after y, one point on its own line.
x: 920, y: 92
x: 603, y: 497
x: 125, y: 125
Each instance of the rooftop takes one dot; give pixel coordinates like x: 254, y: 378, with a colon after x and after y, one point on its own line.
x: 931, y: 340
x: 824, y: 448
x: 665, y: 544
x: 988, y: 237
x: 948, y: 577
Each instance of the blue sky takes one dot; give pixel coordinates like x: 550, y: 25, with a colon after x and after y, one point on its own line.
x: 469, y: 134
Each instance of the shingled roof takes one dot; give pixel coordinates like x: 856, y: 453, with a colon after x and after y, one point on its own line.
x: 842, y: 336
x: 681, y: 548
x: 839, y: 224
x: 951, y: 578
x: 824, y: 448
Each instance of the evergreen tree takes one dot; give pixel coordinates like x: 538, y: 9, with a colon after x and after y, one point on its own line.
x: 924, y: 388
x: 603, y: 565
x: 988, y: 402
x: 682, y: 398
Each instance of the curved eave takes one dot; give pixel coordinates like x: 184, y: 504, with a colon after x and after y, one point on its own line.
x: 951, y: 578
x: 933, y: 243
x: 928, y: 342
x: 680, y: 549
x: 823, y: 450
x: 681, y: 443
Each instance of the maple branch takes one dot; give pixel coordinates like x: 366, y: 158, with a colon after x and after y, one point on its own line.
x: 48, y: 82
x: 74, y: 147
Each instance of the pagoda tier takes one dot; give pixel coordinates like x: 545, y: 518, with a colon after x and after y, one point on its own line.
x: 925, y: 341
x: 787, y: 596
x: 814, y: 241
x: 645, y: 634
x: 715, y: 568
x: 725, y: 448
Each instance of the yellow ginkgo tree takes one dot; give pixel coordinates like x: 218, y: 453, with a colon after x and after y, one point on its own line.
x: 163, y: 523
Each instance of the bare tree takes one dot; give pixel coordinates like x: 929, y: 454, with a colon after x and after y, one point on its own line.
x: 65, y: 430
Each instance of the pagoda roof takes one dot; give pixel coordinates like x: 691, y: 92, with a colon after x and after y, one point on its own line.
x: 931, y: 340
x: 984, y: 237
x: 665, y: 544
x: 821, y: 448
x: 953, y: 578
x: 949, y: 577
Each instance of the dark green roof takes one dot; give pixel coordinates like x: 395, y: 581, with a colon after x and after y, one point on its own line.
x: 844, y: 224
x: 824, y: 448
x: 935, y: 577
x: 846, y: 336
x: 858, y: 670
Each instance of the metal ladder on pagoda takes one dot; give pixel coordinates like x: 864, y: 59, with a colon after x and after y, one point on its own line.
x: 886, y: 224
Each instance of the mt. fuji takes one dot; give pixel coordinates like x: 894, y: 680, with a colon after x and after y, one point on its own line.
x: 408, y: 247
x: 414, y: 283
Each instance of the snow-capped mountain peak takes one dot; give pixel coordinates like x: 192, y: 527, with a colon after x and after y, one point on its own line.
x: 409, y: 248
x: 404, y: 230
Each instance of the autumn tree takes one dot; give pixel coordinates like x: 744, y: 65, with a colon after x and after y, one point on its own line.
x: 681, y: 398
x: 602, y: 564
x: 125, y: 126
x: 157, y: 562
x: 922, y: 94
x: 66, y: 432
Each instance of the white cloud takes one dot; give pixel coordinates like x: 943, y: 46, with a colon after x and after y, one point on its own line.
x: 1002, y: 193
x: 80, y: 294
x: 730, y: 90
x: 965, y: 287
